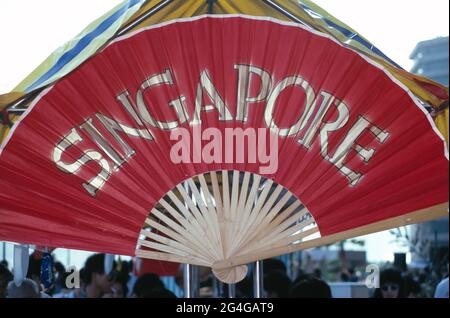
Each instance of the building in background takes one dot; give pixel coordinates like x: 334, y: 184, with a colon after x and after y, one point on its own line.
x: 430, y: 240
x: 431, y: 59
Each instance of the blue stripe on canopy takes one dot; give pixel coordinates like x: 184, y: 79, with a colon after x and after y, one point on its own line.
x: 82, y: 44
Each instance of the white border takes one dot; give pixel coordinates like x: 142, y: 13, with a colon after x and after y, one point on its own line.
x: 270, y: 19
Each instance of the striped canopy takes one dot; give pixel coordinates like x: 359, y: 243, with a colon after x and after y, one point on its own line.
x: 131, y: 15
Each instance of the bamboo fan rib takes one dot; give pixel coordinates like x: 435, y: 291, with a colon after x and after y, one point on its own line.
x: 216, y: 216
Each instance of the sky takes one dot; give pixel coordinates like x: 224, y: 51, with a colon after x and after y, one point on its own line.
x: 31, y: 30
x: 28, y: 36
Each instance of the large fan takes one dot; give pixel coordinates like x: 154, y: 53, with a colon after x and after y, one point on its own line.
x: 218, y: 141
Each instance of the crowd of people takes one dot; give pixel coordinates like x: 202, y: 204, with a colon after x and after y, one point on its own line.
x: 94, y: 281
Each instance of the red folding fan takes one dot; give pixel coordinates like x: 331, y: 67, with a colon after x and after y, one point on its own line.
x: 218, y: 141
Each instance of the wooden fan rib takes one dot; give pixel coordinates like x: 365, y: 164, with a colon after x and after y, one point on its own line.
x: 220, y: 212
x: 184, y: 231
x: 252, y: 216
x: 242, y: 201
x: 164, y: 248
x: 184, y: 218
x: 259, y: 212
x: 244, y: 191
x: 276, y: 209
x: 159, y: 239
x: 188, y: 216
x: 266, y: 216
x: 226, y: 212
x: 280, y: 242
x: 234, y: 194
x: 169, y: 258
x: 231, y: 224
x: 292, y: 237
x: 422, y: 215
x: 217, y: 196
x: 207, y: 216
x: 190, y: 220
x: 211, y: 213
x: 210, y: 202
x: 205, y: 227
x: 190, y: 247
x: 287, y: 223
x: 283, y: 238
x: 248, y: 205
x: 226, y: 196
x: 193, y: 210
x: 185, y: 210
x: 286, y: 218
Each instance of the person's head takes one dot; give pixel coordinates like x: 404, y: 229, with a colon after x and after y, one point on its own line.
x: 5, y: 277
x: 277, y: 284
x: 273, y: 265
x: 126, y: 267
x: 391, y: 284
x: 157, y: 292
x: 317, y: 273
x: 28, y: 289
x: 59, y: 268
x: 244, y: 288
x: 345, y: 277
x: 146, y: 283
x: 300, y: 277
x: 412, y: 287
x: 310, y: 287
x: 119, y: 286
x: 94, y: 273
x: 83, y: 278
x: 34, y: 267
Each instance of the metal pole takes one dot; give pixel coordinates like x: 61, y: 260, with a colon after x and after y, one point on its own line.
x: 195, y: 283
x: 187, y: 281
x: 257, y: 269
x: 188, y: 268
x: 258, y: 281
x: 231, y: 291
x: 4, y: 251
x: 217, y: 287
